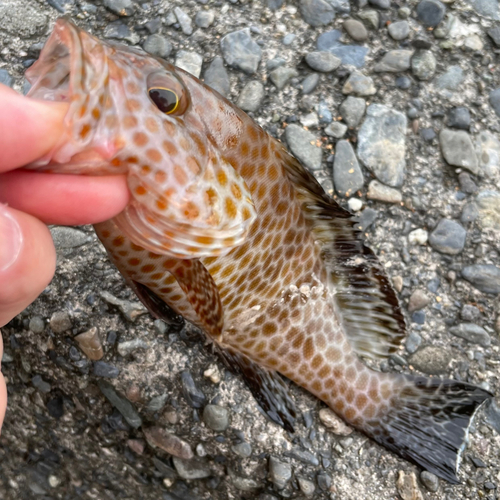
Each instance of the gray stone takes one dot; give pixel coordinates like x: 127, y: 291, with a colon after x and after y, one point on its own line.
x: 495, y: 100
x: 121, y: 403
x: 241, y: 51
x: 340, y: 6
x: 429, y: 480
x: 448, y: 237
x: 336, y: 129
x: 247, y: 484
x: 431, y: 360
x: 403, y: 82
x: 105, y: 370
x: 370, y: 17
x: 418, y: 300
x: 120, y: 7
x: 359, y: 84
x: 158, y: 402
x: 484, y: 277
x: 193, y: 395
x: 303, y: 455
x: 289, y: 38
x: 488, y: 205
x: 347, y: 175
x: 469, y: 213
x: 279, y: 472
x: 487, y: 8
x: 184, y: 21
x: 472, y: 333
x: 119, y: 31
x: 494, y: 34
x: 307, y: 487
x: 309, y: 83
x: 37, y: 324
x: 189, y: 61
x: 459, y: 117
x: 195, y: 468
x: 488, y: 153
x: 322, y: 61
x: 467, y: 185
x: 68, y: 237
x: 317, y: 12
x: 458, y: 150
x: 157, y: 45
x: 353, y: 55
x: 282, y: 75
x: 157, y: 437
x: 430, y: 12
x: 394, y: 61
x: 324, y: 113
x: 216, y: 76
x: 452, y: 79
x: 413, y: 342
x: 204, y: 18
x: 251, y: 96
x: 470, y: 313
x: 60, y: 322
x: 381, y: 144
x: 302, y: 143
x: 131, y: 310
x: 356, y: 30
x: 5, y: 78
x: 423, y: 64
x: 130, y: 346
x: 380, y: 192
x: 244, y: 450
x: 40, y: 384
x: 399, y: 30
x: 216, y: 417
x: 352, y: 110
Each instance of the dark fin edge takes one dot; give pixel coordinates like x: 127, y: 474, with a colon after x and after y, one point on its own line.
x: 429, y: 424
x: 267, y: 387
x: 367, y: 302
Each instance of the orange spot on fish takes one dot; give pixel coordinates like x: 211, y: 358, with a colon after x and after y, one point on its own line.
x: 151, y: 124
x: 116, y: 162
x: 130, y: 121
x: 145, y: 169
x: 169, y: 148
x: 160, y: 176
x: 180, y: 175
x: 96, y: 113
x: 147, y: 268
x: 85, y: 131
x: 154, y: 155
x: 231, y: 210
x: 134, y: 261
x: 118, y: 241
x: 140, y: 190
x: 140, y: 139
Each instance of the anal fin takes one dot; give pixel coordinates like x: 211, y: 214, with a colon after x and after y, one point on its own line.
x: 267, y: 387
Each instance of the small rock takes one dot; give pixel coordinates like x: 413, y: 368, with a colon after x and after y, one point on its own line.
x: 403, y: 82
x: 452, y: 79
x: 378, y: 191
x: 157, y: 45
x: 55, y: 407
x: 195, y: 468
x: 495, y: 100
x: 356, y: 30
x: 122, y: 404
x: 335, y: 424
x: 353, y: 55
x: 430, y: 12
x: 472, y: 333
x: 487, y: 8
x: 359, y: 84
x: 157, y: 403
x: 128, y: 347
x: 37, y: 324
x: 488, y: 153
x: 458, y: 150
x: 367, y: 218
x: 216, y: 417
x: 322, y: 61
x: 204, y: 18
x: 120, y: 7
x: 467, y: 185
x: 488, y: 205
x: 307, y: 487
x: 246, y: 484
x: 413, y: 342
x: 68, y: 237
x: 60, y: 322
x: 107, y: 370
x: 5, y: 78
x: 136, y: 445
x: 184, y: 21
x: 324, y: 481
x: 429, y: 480
x: 407, y: 486
x: 470, y: 313
x: 91, y: 344
x: 347, y: 175
x: 469, y: 213
x: 418, y: 237
x: 394, y: 61
x: 189, y: 61
x: 484, y: 277
x: 160, y: 438
x: 131, y: 310
x: 309, y: 83
x: 353, y: 110
x: 474, y: 43
x: 119, y: 31
x: 282, y: 75
x: 302, y: 143
x: 279, y: 472
x: 427, y: 134
x: 431, y: 360
x: 216, y: 76
x: 40, y: 384
x: 336, y: 129
x: 317, y: 12
x: 310, y: 120
x: 399, y: 30
x: 459, y: 118
x: 423, y: 64
x: 251, y: 96
x: 213, y: 373
x: 418, y: 300
x: 397, y: 282
x: 494, y: 34
x: 244, y: 450
x: 355, y: 205
x: 241, y: 51
x: 324, y: 114
x: 194, y: 396
x: 448, y: 237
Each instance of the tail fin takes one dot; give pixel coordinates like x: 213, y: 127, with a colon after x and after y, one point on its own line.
x: 429, y: 424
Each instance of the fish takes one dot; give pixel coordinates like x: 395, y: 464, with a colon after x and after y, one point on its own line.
x: 227, y: 230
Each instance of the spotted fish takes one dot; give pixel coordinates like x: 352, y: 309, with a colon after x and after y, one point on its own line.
x: 229, y: 231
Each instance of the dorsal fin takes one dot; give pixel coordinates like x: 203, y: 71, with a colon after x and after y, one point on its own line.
x: 367, y: 303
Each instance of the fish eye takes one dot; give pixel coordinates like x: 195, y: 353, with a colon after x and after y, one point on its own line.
x: 166, y: 100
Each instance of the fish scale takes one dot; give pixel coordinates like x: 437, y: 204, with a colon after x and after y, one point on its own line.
x: 231, y: 232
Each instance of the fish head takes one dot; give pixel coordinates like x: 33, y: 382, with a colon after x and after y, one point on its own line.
x: 174, y: 137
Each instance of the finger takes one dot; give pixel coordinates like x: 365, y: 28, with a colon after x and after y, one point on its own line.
x: 3, y: 388
x: 27, y: 261
x: 64, y: 199
x: 29, y: 128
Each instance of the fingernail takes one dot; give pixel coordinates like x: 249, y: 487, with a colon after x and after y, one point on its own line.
x: 11, y: 238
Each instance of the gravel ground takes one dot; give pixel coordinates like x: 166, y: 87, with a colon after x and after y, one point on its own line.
x: 395, y: 106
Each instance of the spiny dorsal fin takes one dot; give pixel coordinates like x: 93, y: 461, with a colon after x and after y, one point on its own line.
x: 366, y: 301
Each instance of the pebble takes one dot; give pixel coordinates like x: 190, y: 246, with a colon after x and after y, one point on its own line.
x: 353, y: 55
x: 333, y: 423
x: 120, y: 7
x: 494, y: 99
x: 40, y: 384
x: 244, y: 450
x: 484, y: 277
x: 413, y: 342
x: 246, y: 484
x: 204, y: 18
x: 418, y: 237
x: 122, y: 404
x: 166, y: 441
x: 157, y: 403
x: 352, y: 110
x: 367, y: 218
x: 90, y: 344
x: 370, y: 17
x: 317, y: 12
x: 359, y: 84
x: 216, y: 76
x: 119, y: 31
x: 472, y: 333
x: 324, y: 114
x: 394, y: 61
x: 429, y: 480
x: 288, y: 39
x: 251, y: 96
x: 106, y: 370
x: 381, y: 192
x: 487, y: 8
x: 302, y: 143
x: 488, y: 153
x: 279, y: 472
x: 470, y: 313
x: 55, y: 407
x: 241, y: 51
x: 494, y: 34
x: 347, y: 175
x: 184, y: 21
x: 452, y: 79
x: 381, y: 4
x: 427, y: 134
x: 37, y: 324
x: 458, y: 150
x: 307, y: 487
x: 322, y: 61
x: 399, y: 30
x: 403, y: 82
x: 448, y: 237
x: 431, y: 360
x: 193, y: 468
x: 216, y: 417
x: 130, y: 346
x: 189, y: 61
x: 467, y: 185
x: 282, y: 75
x: 407, y: 486
x: 131, y: 310
x: 304, y: 456
x: 356, y: 30
x: 324, y: 481
x: 60, y: 322
x: 336, y: 129
x: 488, y: 206
x: 157, y: 45
x: 194, y: 396
x: 459, y: 117
x: 309, y: 83
x: 310, y: 120
x: 5, y: 78
x: 381, y: 144
x: 423, y: 64
x: 418, y: 300
x: 430, y: 12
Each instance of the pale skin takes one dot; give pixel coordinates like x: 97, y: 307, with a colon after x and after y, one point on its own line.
x: 29, y: 200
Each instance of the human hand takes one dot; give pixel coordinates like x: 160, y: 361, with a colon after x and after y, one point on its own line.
x: 28, y: 200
